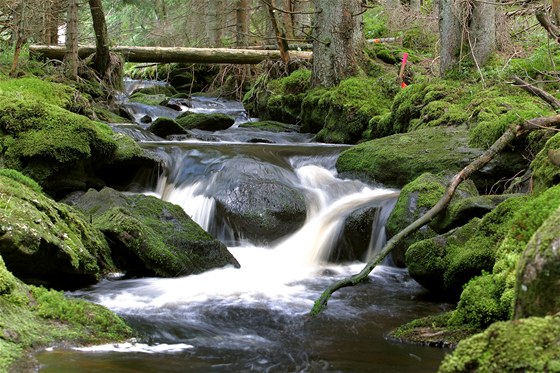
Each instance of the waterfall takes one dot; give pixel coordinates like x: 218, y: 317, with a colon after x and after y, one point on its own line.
x: 255, y: 318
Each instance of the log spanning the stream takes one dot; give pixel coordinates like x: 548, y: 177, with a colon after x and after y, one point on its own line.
x: 173, y: 54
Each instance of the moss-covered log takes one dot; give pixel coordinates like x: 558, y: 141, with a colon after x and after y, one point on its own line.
x: 174, y: 54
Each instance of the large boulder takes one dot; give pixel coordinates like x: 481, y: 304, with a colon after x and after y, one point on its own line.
x: 45, y: 242
x: 538, y: 277
x: 151, y: 237
x: 62, y: 150
x: 396, y: 160
x: 256, y: 201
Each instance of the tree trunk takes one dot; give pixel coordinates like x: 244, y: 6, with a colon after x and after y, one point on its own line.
x: 468, y: 26
x: 102, y: 59
x: 337, y: 41
x: 174, y: 54
x: 19, y: 35
x: 302, y: 19
x: 279, y: 33
x: 482, y: 36
x: 242, y: 24
x: 71, y: 57
x: 214, y: 23
x: 450, y: 35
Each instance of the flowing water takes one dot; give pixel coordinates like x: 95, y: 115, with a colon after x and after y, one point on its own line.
x: 256, y: 318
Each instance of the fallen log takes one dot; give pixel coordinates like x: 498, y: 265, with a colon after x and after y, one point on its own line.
x: 173, y: 54
x: 507, y: 137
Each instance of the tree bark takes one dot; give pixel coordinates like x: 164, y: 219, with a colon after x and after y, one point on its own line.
x: 102, y: 59
x: 71, y: 57
x: 242, y: 24
x: 470, y: 27
x: 509, y: 135
x: 337, y: 41
x: 482, y: 35
x: 450, y: 35
x: 175, y: 54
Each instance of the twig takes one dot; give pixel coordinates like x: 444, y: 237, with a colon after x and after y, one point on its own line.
x: 547, y: 97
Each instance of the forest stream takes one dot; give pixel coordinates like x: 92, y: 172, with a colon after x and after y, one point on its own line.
x: 256, y: 318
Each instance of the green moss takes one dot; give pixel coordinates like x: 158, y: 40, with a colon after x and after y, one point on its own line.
x: 147, y: 99
x: 21, y: 178
x: 32, y: 318
x: 546, y: 165
x: 433, y: 331
x: 489, y: 298
x: 36, y: 133
x: 37, y: 90
x: 31, y: 221
x: 427, y: 150
x: 526, y: 345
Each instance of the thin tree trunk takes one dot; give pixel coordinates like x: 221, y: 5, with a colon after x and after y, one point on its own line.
x: 242, y: 24
x: 19, y: 35
x: 102, y: 57
x: 482, y: 34
x: 507, y: 137
x: 71, y: 57
x: 279, y: 32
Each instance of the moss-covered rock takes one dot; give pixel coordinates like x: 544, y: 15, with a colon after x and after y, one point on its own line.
x: 415, y: 199
x: 546, y: 165
x: 61, y: 150
x: 32, y: 317
x: 398, y: 159
x: 151, y: 237
x: 45, y: 242
x: 444, y: 264
x: 509, y: 228
x: 278, y: 99
x: 164, y: 127
x: 526, y: 345
x: 207, y: 122
x: 342, y: 113
x: 538, y: 276
x: 146, y: 99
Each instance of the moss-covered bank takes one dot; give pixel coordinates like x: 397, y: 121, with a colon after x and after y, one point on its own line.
x: 34, y: 317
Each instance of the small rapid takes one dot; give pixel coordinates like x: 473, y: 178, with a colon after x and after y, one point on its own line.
x: 256, y: 318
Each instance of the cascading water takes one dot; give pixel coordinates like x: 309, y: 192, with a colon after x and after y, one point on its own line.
x: 256, y: 318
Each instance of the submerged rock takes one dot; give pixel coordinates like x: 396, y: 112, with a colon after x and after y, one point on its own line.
x: 151, y: 237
